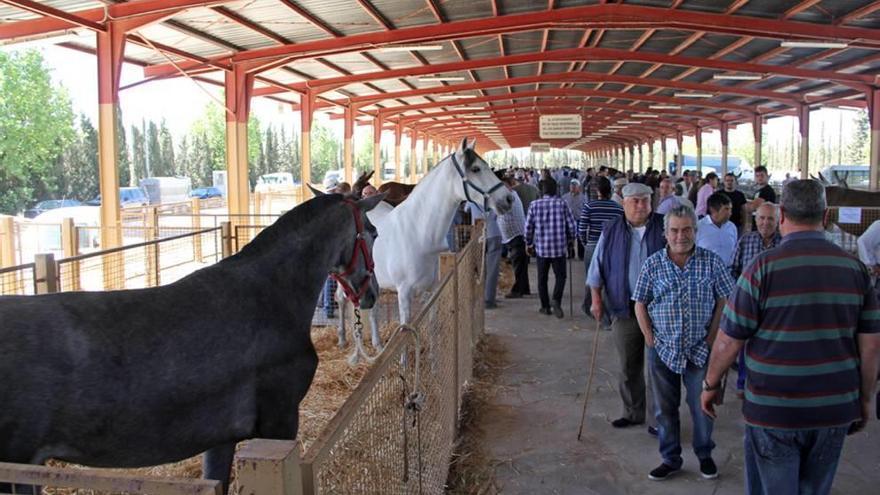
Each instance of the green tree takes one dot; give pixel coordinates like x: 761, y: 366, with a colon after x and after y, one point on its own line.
x: 166, y: 152
x: 123, y: 159
x: 326, y: 151
x: 153, y: 155
x: 857, y: 152
x: 78, y: 164
x: 36, y: 124
x: 138, y: 152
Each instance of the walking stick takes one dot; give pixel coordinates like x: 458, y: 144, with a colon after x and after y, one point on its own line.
x: 590, y: 379
x: 570, y: 292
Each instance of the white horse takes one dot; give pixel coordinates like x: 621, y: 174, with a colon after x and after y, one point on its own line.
x: 412, y: 235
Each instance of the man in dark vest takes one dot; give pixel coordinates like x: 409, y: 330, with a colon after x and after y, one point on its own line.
x: 623, y: 247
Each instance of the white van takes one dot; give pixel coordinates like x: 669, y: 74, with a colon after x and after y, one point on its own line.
x: 854, y: 175
x: 275, y: 182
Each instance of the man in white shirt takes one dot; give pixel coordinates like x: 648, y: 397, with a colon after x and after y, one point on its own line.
x: 715, y: 231
x: 869, y: 249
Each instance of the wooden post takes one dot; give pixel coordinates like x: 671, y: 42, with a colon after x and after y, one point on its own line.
x: 448, y: 265
x: 378, y: 168
x: 399, y: 170
x: 226, y: 240
x: 196, y: 225
x: 151, y: 258
x: 679, y: 159
x: 45, y: 274
x: 725, y: 130
x: 70, y: 248
x: 272, y: 467
x: 757, y: 132
x: 347, y: 143
x: 7, y: 256
x: 698, y: 136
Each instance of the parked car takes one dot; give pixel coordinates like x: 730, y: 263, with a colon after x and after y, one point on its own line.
x: 49, y: 204
x: 206, y: 192
x: 128, y: 196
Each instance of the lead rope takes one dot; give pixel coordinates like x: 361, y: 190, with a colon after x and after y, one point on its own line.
x: 412, y: 404
x: 359, y: 338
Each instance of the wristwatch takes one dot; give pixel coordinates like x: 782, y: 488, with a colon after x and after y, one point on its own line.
x: 709, y: 388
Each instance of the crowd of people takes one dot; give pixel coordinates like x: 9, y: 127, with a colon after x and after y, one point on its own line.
x: 695, y: 278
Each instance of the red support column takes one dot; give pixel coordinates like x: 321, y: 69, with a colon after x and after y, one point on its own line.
x: 725, y: 130
x: 399, y: 171
x: 413, y: 163
x: 679, y: 158
x: 873, y: 97
x: 348, y: 144
x: 111, y: 48
x: 307, y: 105
x: 663, y: 163
x: 239, y: 86
x: 641, y: 159
x: 698, y: 136
x: 651, y: 154
x: 758, y: 132
x: 804, y: 127
x: 377, y: 155
x: 632, y: 158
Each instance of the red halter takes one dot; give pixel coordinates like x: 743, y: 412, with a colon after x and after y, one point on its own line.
x: 360, y: 246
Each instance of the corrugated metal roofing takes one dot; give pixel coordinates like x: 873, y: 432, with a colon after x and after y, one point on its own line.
x: 214, y: 31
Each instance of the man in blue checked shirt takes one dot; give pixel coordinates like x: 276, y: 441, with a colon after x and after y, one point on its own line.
x: 679, y: 297
x: 549, y: 230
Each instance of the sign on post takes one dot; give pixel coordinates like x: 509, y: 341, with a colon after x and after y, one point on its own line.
x: 560, y: 126
x: 540, y: 147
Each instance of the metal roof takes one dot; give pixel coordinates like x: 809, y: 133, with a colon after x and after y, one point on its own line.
x: 518, y: 57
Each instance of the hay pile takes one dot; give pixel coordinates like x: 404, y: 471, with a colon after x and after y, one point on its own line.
x: 505, y: 277
x: 471, y: 471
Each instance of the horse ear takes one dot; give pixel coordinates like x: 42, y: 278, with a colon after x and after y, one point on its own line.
x: 464, y: 145
x: 316, y: 192
x: 368, y: 204
x: 473, y: 144
x: 822, y: 179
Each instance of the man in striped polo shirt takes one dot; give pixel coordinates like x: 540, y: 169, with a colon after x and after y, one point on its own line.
x: 810, y: 323
x: 593, y: 216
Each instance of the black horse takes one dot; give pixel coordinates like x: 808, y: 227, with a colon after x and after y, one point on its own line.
x: 144, y: 377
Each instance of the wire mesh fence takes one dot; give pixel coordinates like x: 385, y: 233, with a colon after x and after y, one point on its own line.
x: 396, y: 432
x: 17, y: 280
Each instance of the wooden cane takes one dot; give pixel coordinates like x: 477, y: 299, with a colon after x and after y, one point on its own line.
x: 590, y: 378
x: 570, y: 292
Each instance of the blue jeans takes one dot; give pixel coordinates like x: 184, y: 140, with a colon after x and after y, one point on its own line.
x: 493, y: 266
x: 666, y: 385
x: 329, y: 298
x: 792, y: 462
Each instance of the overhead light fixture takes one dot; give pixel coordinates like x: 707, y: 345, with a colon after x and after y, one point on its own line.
x: 665, y: 107
x: 441, y: 78
x: 454, y: 97
x: 737, y: 77
x: 645, y: 115
x: 814, y: 44
x: 629, y: 121
x: 693, y: 95
x: 409, y: 48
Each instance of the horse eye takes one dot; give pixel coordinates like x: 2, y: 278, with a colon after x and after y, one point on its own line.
x: 475, y: 169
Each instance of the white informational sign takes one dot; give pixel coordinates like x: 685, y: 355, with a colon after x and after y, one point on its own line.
x: 561, y: 126
x: 540, y: 147
x: 849, y: 215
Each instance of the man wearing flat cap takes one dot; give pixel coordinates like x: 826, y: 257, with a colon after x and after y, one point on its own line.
x: 622, y: 249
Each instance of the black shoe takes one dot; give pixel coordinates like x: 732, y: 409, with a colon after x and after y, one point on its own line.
x: 512, y: 295
x: 557, y: 311
x: 623, y: 423
x: 653, y: 431
x: 490, y: 305
x: 708, y: 470
x: 545, y: 311
x: 662, y: 472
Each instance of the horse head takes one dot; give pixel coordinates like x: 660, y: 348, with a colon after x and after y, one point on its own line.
x: 354, y: 273
x: 478, y: 181
x: 353, y: 270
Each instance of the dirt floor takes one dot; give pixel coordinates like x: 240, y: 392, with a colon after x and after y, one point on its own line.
x: 529, y: 424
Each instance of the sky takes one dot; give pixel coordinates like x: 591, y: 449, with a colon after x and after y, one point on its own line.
x: 179, y: 101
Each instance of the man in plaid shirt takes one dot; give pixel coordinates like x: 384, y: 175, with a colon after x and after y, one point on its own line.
x: 679, y: 297
x: 549, y: 229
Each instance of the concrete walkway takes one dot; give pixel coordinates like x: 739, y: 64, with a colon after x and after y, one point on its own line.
x: 531, y: 424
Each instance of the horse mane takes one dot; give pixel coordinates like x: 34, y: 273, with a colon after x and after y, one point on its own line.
x: 289, y: 222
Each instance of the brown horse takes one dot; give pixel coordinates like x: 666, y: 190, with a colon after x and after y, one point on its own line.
x: 397, y: 192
